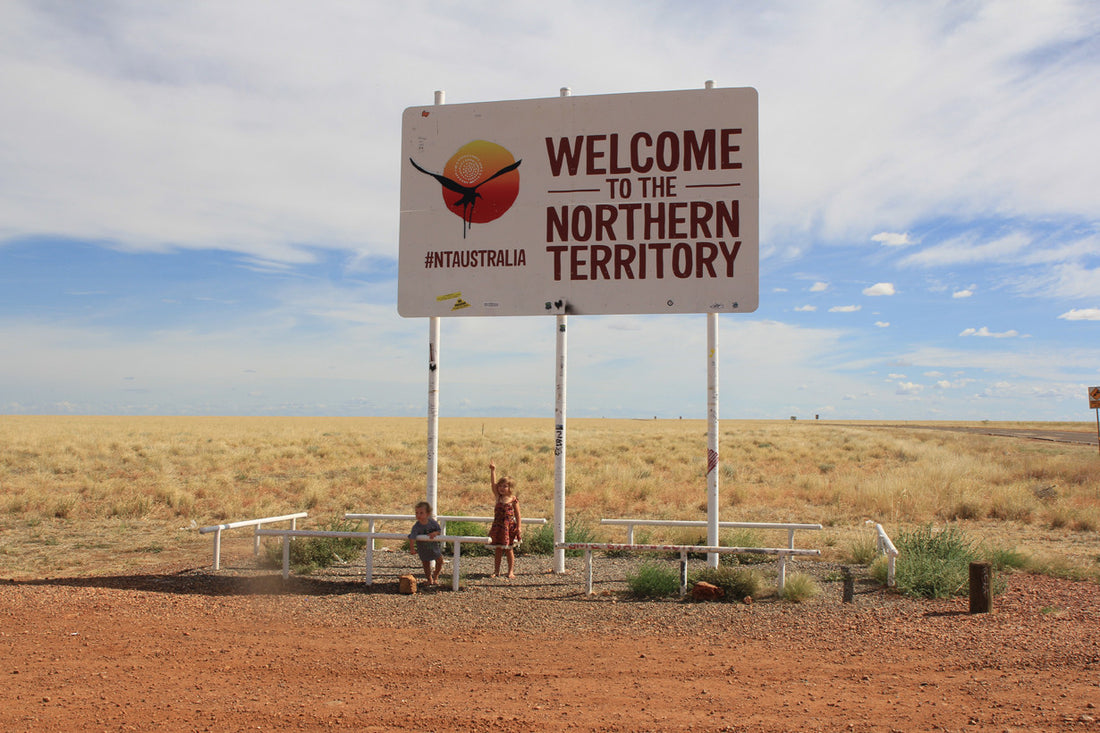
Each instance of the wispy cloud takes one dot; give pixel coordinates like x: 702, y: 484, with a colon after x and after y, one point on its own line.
x: 806, y: 308
x: 819, y: 287
x: 880, y: 289
x: 1082, y: 314
x: 969, y: 250
x: 892, y: 239
x: 984, y: 332
x: 845, y: 308
x: 882, y: 324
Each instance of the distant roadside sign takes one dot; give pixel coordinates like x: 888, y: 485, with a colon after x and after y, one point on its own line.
x: 619, y: 203
x: 1094, y: 397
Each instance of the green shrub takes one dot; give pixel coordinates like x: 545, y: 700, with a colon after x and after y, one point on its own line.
x: 736, y: 583
x: 309, y: 554
x: 468, y: 529
x: 1009, y: 559
x: 653, y: 580
x: 538, y: 540
x: 800, y: 587
x: 578, y: 531
x: 934, y: 564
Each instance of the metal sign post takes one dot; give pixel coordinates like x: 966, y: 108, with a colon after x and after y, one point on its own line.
x: 1094, y: 402
x: 561, y: 351
x: 433, y: 397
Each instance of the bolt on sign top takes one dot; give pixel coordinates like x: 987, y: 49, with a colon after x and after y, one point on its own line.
x: 618, y: 203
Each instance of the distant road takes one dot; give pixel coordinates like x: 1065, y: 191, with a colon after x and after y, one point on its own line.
x: 1055, y: 436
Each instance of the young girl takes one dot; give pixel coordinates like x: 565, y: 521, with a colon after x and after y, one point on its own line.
x: 505, y: 529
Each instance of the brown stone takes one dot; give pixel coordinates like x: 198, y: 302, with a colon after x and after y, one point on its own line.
x: 407, y: 584
x: 703, y: 591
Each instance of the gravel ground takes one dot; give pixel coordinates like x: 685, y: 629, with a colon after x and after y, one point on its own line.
x: 240, y: 649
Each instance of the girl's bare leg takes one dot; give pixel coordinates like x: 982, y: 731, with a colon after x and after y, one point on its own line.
x: 496, y: 561
x: 511, y: 563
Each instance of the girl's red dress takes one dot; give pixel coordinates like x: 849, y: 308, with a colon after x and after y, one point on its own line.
x: 505, y: 529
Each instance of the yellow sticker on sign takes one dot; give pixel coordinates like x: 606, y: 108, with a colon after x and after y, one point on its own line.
x: 448, y: 296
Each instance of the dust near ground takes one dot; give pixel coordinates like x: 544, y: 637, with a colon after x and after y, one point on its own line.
x: 244, y: 650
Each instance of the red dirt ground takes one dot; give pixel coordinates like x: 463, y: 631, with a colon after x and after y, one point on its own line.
x: 188, y: 651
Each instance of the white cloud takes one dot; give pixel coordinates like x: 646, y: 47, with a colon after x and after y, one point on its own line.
x: 806, y: 308
x: 819, y: 287
x: 962, y: 293
x: 986, y: 333
x: 909, y: 388
x: 879, y: 289
x: 892, y: 239
x: 882, y: 324
x: 1082, y: 314
x: 968, y: 250
x: 895, y: 376
x: 845, y: 308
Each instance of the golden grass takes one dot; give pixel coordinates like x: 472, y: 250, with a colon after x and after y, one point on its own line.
x: 115, y: 494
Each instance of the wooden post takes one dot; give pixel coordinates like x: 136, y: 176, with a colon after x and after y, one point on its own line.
x: 849, y: 592
x: 981, y: 591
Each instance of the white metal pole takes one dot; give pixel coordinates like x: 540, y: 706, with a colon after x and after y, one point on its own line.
x: 561, y: 355
x: 712, y: 428
x: 562, y: 347
x: 712, y: 437
x: 433, y: 398
x: 433, y: 412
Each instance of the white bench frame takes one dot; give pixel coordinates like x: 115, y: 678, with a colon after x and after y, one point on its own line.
x: 588, y: 547
x: 288, y: 534
x: 884, y: 546
x: 217, y: 529
x: 631, y: 523
x: 442, y: 519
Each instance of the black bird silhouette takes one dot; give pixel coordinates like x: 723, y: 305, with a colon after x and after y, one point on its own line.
x: 469, y: 193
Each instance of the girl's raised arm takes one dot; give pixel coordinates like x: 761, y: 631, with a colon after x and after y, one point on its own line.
x: 492, y: 475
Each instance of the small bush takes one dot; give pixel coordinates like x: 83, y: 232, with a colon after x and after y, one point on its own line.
x: 653, y: 581
x: 578, y: 531
x: 800, y: 587
x: 736, y: 583
x: 468, y: 529
x: 310, y: 554
x: 863, y: 550
x: 934, y: 564
x: 1005, y: 559
x: 539, y: 540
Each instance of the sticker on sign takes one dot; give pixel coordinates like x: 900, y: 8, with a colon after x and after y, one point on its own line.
x: 620, y: 203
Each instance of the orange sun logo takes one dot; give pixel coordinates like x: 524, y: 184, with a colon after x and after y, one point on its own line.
x: 480, y: 182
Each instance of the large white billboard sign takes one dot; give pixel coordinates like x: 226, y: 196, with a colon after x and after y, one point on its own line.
x: 620, y: 203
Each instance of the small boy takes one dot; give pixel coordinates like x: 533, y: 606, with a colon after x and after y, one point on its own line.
x: 428, y: 551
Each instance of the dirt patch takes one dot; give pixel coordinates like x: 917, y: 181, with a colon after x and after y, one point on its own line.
x: 244, y: 650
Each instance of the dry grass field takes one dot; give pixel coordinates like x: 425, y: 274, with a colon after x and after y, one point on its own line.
x: 99, y: 495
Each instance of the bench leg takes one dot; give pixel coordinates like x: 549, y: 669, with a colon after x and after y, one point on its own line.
x: 454, y: 565
x: 588, y: 570
x: 217, y: 549
x: 683, y: 573
x: 286, y: 557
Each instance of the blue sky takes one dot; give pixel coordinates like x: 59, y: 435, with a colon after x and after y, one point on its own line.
x: 199, y: 207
